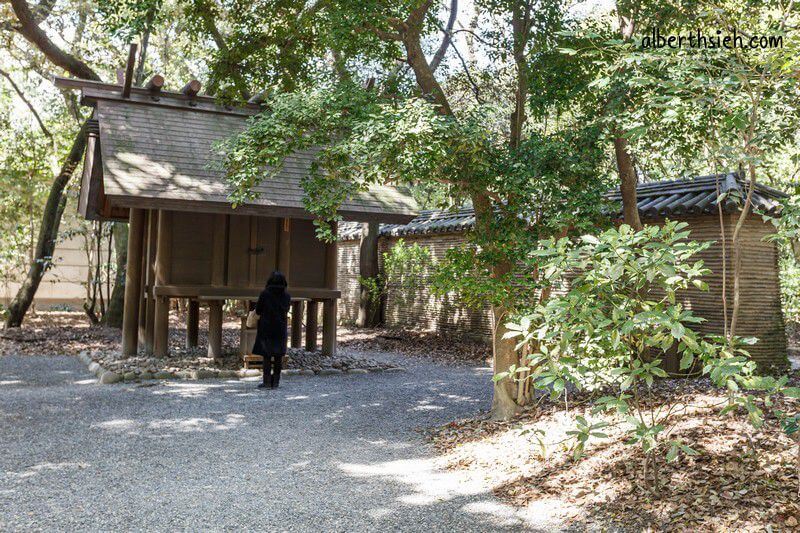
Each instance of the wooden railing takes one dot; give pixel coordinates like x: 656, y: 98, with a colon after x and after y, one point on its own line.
x: 205, y: 292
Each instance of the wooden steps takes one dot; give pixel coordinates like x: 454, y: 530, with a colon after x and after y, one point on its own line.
x: 257, y: 362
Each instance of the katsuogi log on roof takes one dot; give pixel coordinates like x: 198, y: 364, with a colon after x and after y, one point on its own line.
x: 155, y: 149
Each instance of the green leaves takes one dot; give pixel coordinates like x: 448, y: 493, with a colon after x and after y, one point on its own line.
x: 792, y: 392
x: 617, y: 321
x: 675, y: 447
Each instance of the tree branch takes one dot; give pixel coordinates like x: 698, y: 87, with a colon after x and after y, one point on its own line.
x: 27, y: 103
x: 411, y: 34
x: 475, y: 89
x: 43, y: 9
x: 385, y: 35
x: 475, y: 36
x: 30, y: 30
x: 447, y: 39
x: 222, y: 45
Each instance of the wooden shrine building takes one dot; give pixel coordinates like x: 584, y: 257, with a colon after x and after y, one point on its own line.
x: 150, y: 159
x: 693, y: 201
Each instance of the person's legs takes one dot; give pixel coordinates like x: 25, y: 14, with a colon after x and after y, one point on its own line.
x: 264, y: 373
x: 277, y: 362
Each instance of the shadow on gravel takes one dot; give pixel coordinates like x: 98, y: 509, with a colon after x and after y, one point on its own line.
x: 429, y: 489
x: 328, y: 453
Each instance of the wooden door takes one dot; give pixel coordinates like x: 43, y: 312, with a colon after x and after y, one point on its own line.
x: 251, y: 250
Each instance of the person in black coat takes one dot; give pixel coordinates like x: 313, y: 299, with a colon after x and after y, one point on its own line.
x: 272, y: 308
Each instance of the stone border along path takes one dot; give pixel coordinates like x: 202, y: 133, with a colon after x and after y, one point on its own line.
x: 108, y: 377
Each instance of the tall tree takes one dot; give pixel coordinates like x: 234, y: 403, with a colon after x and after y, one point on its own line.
x: 628, y: 179
x: 414, y: 135
x: 28, y: 26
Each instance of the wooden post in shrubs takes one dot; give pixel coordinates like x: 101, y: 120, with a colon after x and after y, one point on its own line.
x: 311, y: 325
x: 215, y: 329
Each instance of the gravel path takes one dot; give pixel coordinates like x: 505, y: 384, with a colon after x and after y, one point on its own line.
x: 337, y: 453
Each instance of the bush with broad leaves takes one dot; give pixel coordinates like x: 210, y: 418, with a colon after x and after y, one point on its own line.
x: 608, y: 332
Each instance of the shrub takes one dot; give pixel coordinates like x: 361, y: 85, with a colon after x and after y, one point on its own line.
x: 404, y: 270
x: 608, y: 331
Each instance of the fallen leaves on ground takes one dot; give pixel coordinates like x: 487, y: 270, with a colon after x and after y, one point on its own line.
x: 446, y: 348
x: 69, y: 333
x: 742, y: 479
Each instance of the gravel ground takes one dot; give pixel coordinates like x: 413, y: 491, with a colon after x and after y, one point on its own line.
x: 339, y: 453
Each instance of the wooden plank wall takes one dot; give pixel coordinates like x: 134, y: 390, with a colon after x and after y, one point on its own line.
x: 348, y: 280
x: 251, y: 253
x: 307, y: 256
x: 191, y: 248
x: 426, y: 311
x: 760, y: 311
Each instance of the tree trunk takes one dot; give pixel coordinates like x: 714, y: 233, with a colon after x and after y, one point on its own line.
x: 51, y: 218
x: 504, y: 403
x: 113, y: 316
x: 520, y: 27
x: 508, y: 396
x: 627, y: 182
x: 415, y: 56
x: 369, y: 305
x: 29, y: 28
x: 139, y: 76
x: 504, y: 399
x: 445, y: 44
x: 626, y: 13
x: 48, y: 232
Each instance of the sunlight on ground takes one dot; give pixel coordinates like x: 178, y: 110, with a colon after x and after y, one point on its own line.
x: 179, y: 425
x: 529, y: 463
x: 42, y: 468
x: 187, y: 389
x: 428, y: 485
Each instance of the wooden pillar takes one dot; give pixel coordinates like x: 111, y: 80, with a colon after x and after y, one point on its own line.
x: 329, y: 306
x: 161, y: 327
x: 284, y: 246
x: 215, y: 329
x: 311, y: 326
x: 143, y: 285
x: 329, y: 327
x: 192, y: 323
x: 245, y: 334
x: 133, y: 284
x: 297, y: 324
x: 150, y: 311
x: 162, y: 275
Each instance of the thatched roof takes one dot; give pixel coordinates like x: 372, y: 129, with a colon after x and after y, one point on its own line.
x: 158, y: 151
